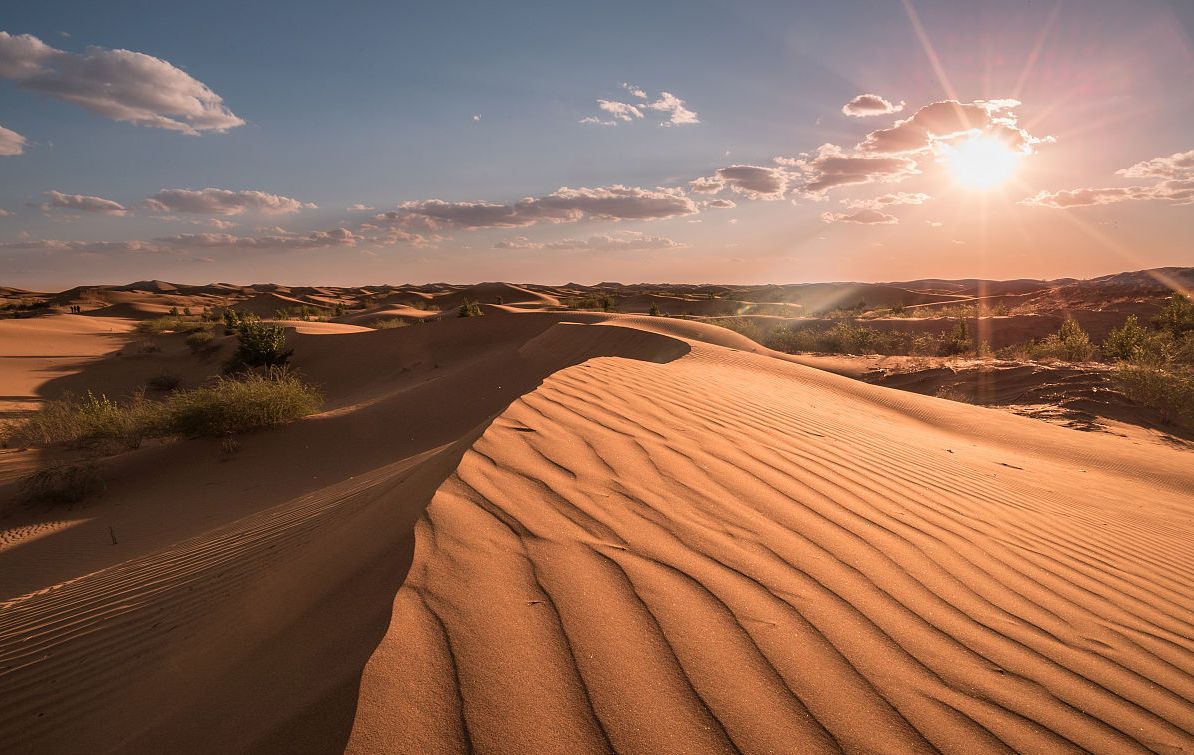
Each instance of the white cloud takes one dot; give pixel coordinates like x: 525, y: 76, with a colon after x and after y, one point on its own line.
x: 595, y: 121
x: 118, y: 84
x: 358, y: 207
x: 865, y: 105
x: 678, y: 114
x: 4, y: 213
x: 830, y: 167
x: 82, y: 203
x: 11, y: 143
x: 621, y: 111
x: 1177, y: 165
x: 635, y: 91
x: 622, y: 241
x: 564, y: 205
x: 223, y: 202
x: 944, y: 120
x: 336, y: 237
x: 1177, y: 186
x: 863, y: 217
x: 886, y: 200
x: 477, y: 118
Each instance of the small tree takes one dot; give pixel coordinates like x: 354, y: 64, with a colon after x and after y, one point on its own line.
x: 261, y: 345
x: 1177, y: 317
x: 1073, y: 343
x: 470, y: 309
x: 1127, y: 342
x: 231, y: 321
x: 654, y: 311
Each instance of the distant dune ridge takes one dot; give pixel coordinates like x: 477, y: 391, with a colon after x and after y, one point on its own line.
x: 569, y: 530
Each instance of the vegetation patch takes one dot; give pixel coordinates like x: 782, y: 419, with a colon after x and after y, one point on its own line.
x: 62, y: 484
x: 224, y: 406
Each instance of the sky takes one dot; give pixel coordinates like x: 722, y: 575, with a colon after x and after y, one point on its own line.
x: 697, y: 141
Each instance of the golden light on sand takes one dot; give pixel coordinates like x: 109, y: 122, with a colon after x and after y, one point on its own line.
x: 981, y: 162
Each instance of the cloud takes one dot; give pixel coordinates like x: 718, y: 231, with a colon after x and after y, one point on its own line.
x: 947, y: 119
x: 865, y: 105
x: 706, y: 185
x: 863, y: 217
x: 358, y: 207
x: 564, y: 205
x: 82, y: 203
x: 595, y: 121
x: 11, y: 143
x: 678, y: 114
x: 118, y: 84
x: 336, y: 237
x: 223, y: 202
x: 622, y: 241
x: 635, y: 91
x: 718, y: 204
x: 4, y: 213
x: 476, y: 118
x: 1177, y: 165
x: 886, y: 200
x: 1177, y: 186
x: 830, y: 167
x: 621, y: 111
x: 284, y: 241
x: 753, y: 181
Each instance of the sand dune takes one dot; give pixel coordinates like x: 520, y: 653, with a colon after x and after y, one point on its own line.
x: 565, y: 532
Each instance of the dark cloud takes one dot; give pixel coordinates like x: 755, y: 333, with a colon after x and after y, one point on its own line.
x: 830, y: 167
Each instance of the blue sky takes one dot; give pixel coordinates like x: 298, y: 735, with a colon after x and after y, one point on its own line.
x: 374, y: 103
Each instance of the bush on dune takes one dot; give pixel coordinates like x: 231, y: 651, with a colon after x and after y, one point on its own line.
x: 227, y: 405
x: 260, y: 345
x: 62, y: 484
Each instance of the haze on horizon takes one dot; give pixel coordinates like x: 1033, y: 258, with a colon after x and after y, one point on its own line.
x: 682, y: 142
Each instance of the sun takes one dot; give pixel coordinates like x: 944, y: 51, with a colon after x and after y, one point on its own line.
x: 981, y: 162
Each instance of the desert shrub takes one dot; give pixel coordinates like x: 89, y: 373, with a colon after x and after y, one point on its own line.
x: 1070, y: 343
x: 246, y: 402
x: 90, y: 418
x: 260, y: 345
x: 224, y: 406
x: 164, y: 382
x: 470, y: 309
x: 1127, y: 342
x: 173, y: 323
x: 387, y: 324
x: 231, y: 320
x: 654, y: 310
x: 1170, y: 391
x: 62, y: 484
x: 1177, y: 317
x: 199, y: 340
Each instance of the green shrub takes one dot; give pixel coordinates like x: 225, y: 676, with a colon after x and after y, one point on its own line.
x: 1171, y: 392
x: 200, y: 340
x: 260, y: 345
x: 1177, y: 317
x: 393, y: 322
x: 247, y: 402
x: 1127, y: 342
x: 172, y: 323
x: 654, y: 310
x: 75, y: 420
x: 62, y: 484
x: 470, y: 309
x: 224, y: 406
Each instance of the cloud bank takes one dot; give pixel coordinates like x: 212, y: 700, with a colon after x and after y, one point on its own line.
x: 223, y: 202
x: 1176, y: 172
x: 82, y: 203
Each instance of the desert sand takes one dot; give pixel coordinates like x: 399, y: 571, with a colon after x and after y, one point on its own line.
x: 559, y: 531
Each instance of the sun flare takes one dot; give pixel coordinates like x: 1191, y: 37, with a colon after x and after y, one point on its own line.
x: 981, y: 162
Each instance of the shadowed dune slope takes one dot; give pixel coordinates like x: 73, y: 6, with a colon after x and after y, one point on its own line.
x: 517, y: 534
